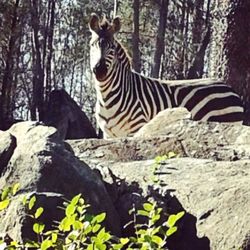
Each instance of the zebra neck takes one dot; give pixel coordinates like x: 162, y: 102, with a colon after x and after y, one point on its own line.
x: 115, y: 80
x: 123, y: 56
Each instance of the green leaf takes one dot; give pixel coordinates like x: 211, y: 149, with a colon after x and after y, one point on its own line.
x: 141, y: 232
x: 65, y: 224
x: 75, y: 199
x: 156, y: 217
x: 101, y: 233
x: 70, y: 210
x: 46, y: 244
x: 171, y: 220
x: 156, y: 230
x: 158, y: 210
x: 124, y: 241
x: 72, y: 236
x: 32, y: 202
x: 161, y: 159
x: 180, y: 215
x: 100, y: 217
x: 4, y: 204
x: 171, y: 155
x: 171, y: 230
x: 31, y: 244
x: 38, y: 212
x: 148, y: 207
x: 156, y: 239
x: 78, y: 225
x: 96, y: 228
x: 143, y: 213
x: 15, y: 188
x: 117, y: 246
x: 5, y: 193
x: 14, y: 244
x: 90, y: 247
x: 54, y: 237
x: 38, y: 227
x: 24, y: 200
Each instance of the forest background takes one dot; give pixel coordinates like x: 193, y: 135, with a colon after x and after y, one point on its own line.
x: 44, y: 45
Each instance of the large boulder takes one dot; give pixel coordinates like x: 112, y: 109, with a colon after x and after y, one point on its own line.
x: 64, y: 114
x: 43, y: 163
x: 209, y: 179
x: 7, y: 146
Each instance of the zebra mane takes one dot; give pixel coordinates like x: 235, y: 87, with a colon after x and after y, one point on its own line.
x: 104, y: 23
x: 124, y: 53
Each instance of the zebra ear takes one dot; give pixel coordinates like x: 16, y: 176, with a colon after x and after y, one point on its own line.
x: 94, y: 23
x: 116, y: 25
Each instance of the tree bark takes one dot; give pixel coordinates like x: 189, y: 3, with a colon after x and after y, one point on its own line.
x: 229, y: 56
x: 160, y: 39
x: 51, y: 22
x: 5, y: 100
x: 136, y: 61
x: 38, y: 71
x: 196, y: 69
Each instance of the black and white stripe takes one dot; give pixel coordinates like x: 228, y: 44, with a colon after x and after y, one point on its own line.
x: 127, y: 100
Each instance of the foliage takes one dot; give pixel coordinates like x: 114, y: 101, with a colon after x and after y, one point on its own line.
x: 151, y: 235
x: 66, y: 63
x: 80, y: 230
x: 6, y: 195
x: 158, y: 161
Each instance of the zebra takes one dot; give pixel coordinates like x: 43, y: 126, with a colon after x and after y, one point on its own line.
x: 127, y: 100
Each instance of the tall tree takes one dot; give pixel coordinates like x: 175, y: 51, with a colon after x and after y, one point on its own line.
x: 136, y: 36
x: 230, y: 56
x: 5, y: 102
x: 38, y: 70
x: 160, y: 39
x: 50, y: 27
x: 200, y: 43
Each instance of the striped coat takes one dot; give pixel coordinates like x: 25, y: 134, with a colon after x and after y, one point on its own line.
x: 127, y: 100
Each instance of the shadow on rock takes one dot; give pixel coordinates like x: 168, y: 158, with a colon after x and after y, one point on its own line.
x: 128, y: 196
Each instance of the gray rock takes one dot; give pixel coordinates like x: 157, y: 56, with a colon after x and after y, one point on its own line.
x: 18, y: 225
x: 42, y: 163
x: 217, y: 194
x: 156, y: 126
x: 7, y: 146
x: 209, y: 179
x: 64, y: 114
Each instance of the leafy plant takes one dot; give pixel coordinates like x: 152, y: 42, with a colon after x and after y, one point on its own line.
x: 150, y: 235
x: 6, y: 195
x: 79, y: 230
x: 158, y: 161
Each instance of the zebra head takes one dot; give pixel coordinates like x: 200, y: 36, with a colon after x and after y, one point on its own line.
x: 102, y: 45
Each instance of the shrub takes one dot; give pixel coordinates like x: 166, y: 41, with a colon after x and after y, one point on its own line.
x: 79, y: 230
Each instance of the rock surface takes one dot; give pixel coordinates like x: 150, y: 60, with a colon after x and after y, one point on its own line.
x: 42, y: 163
x: 209, y: 179
x: 164, y: 118
x: 7, y: 146
x: 64, y: 114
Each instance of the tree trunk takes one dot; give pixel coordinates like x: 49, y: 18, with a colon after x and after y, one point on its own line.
x: 38, y: 71
x: 230, y: 55
x: 196, y: 69
x: 5, y: 101
x: 160, y: 39
x: 136, y: 37
x: 51, y: 14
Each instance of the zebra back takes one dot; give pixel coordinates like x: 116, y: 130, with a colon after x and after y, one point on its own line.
x: 126, y: 100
